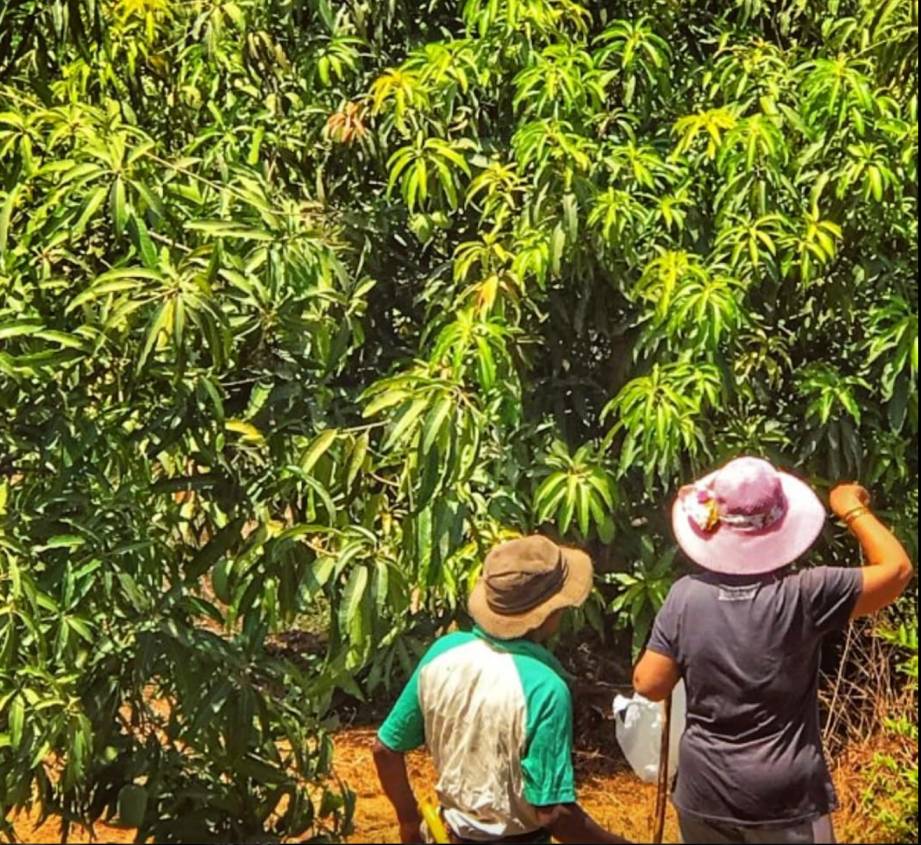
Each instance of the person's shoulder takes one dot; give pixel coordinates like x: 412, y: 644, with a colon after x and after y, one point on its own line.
x: 445, y: 643
x: 685, y: 582
x: 689, y: 591
x: 684, y: 586
x: 455, y: 638
x: 822, y: 575
x: 812, y: 573
x: 540, y: 672
x: 545, y: 687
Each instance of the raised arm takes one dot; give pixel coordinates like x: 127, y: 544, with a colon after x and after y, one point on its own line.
x: 888, y: 568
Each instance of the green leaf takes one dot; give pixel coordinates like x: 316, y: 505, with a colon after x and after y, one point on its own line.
x: 357, y: 458
x: 159, y: 324
x: 571, y: 218
x: 63, y: 541
x: 229, y: 229
x: 567, y: 510
x: 89, y: 210
x: 206, y: 557
x: 68, y: 340
x: 6, y: 214
x: 383, y: 401
x: 434, y: 422
x: 220, y: 580
x: 583, y: 510
x: 318, y: 489
x: 113, y: 281
x: 17, y: 717
x: 82, y: 629
x: 549, y: 494
x: 322, y: 569
x: 18, y: 328
x: 213, y: 395
x: 145, y: 246
x: 557, y: 245
x: 431, y: 475
x: 318, y: 448
x: 352, y: 595
x: 601, y: 482
x: 117, y: 207
x: 132, y: 805
x: 252, y: 156
x: 381, y: 587
x: 246, y: 430
x: 486, y: 365
x: 403, y: 420
x: 260, y: 771
x: 606, y: 530
x: 130, y: 588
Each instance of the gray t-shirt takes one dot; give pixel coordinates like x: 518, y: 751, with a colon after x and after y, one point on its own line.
x: 748, y: 651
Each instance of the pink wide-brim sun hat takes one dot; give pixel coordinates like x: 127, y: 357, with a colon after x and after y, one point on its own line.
x: 744, y: 489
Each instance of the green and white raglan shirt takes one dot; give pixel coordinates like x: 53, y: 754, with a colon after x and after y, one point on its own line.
x: 496, y: 716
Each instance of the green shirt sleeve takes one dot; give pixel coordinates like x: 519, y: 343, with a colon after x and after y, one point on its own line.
x: 404, y: 727
x: 547, y: 762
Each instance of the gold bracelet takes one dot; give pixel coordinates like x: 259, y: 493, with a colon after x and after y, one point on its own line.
x: 855, y: 513
x: 846, y: 514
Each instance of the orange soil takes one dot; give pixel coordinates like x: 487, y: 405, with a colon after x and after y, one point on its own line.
x: 616, y: 799
x: 611, y: 794
x: 27, y: 830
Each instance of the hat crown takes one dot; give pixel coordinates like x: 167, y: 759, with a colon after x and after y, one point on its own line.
x: 748, y: 486
x: 522, y: 573
x: 746, y: 518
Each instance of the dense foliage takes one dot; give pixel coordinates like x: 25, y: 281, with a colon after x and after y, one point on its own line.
x: 304, y: 304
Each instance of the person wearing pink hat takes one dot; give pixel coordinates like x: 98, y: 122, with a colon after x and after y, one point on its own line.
x: 744, y: 634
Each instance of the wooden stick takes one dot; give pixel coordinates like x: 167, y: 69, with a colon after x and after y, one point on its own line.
x: 662, y: 783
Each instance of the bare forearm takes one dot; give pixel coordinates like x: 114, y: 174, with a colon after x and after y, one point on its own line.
x: 888, y: 571
x: 391, y: 770
x: 655, y: 676
x: 586, y: 830
x: 570, y: 823
x: 879, y: 544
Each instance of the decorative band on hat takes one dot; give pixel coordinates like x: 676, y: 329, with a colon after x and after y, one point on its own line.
x: 507, y: 601
x: 704, y: 511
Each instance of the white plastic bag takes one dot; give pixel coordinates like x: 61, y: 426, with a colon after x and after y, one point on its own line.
x: 639, y: 732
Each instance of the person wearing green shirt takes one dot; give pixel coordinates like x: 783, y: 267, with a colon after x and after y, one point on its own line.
x: 494, y: 710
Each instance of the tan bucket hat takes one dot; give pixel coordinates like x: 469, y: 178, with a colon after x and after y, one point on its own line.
x: 524, y: 581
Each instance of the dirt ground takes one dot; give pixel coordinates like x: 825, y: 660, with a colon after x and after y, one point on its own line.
x: 615, y: 798
x: 611, y: 793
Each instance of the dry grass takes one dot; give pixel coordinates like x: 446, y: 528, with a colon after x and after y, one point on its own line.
x: 854, y: 821
x: 865, y: 692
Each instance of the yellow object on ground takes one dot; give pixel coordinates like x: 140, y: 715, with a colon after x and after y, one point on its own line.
x: 433, y: 822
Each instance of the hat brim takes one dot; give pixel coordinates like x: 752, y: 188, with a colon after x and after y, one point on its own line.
x: 572, y: 593
x: 730, y: 551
